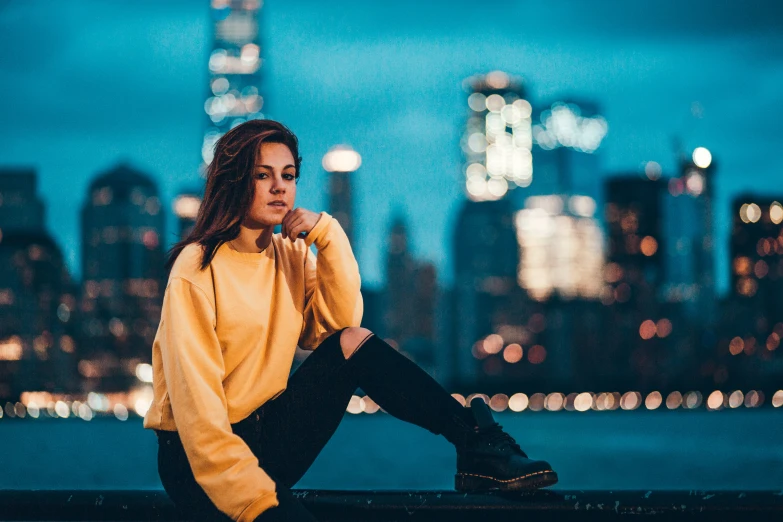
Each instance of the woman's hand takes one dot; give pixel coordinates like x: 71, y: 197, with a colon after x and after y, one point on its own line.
x: 298, y: 223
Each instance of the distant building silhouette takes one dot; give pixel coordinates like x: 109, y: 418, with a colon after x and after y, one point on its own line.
x: 561, y: 269
x: 186, y: 206
x: 567, y: 136
x: 234, y: 71
x: 123, y: 276
x: 486, y: 294
x: 411, y: 298
x: 497, y: 140
x: 341, y: 162
x: 689, y: 237
x: 20, y: 207
x: 635, y: 274
x: 752, y: 319
x: 38, y: 309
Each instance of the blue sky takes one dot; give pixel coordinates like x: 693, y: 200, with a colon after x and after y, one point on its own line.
x: 88, y: 83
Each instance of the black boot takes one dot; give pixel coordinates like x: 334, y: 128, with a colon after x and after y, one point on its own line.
x: 488, y: 458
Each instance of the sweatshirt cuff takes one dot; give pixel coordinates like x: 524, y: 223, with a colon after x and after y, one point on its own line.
x: 258, y: 506
x: 319, y: 229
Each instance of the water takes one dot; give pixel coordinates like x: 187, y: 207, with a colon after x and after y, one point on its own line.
x: 738, y: 449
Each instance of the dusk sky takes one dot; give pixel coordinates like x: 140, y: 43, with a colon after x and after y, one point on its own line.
x: 86, y: 84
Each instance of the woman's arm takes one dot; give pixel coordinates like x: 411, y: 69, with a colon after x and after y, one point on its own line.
x: 222, y: 463
x: 332, y: 284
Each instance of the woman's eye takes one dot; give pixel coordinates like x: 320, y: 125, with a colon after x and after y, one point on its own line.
x: 261, y: 175
x: 289, y: 176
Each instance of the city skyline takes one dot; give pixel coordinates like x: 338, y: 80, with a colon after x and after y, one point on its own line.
x: 404, y: 119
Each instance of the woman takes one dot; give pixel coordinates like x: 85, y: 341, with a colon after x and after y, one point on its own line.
x: 234, y: 432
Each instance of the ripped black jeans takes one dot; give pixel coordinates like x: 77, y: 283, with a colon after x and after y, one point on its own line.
x: 288, y: 433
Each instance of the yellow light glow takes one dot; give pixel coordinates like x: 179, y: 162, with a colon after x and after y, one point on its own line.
x: 121, y: 412
x: 674, y: 400
x: 776, y: 212
x: 648, y: 246
x: 631, y: 400
x: 702, y: 157
x: 513, y: 353
x: 752, y: 213
x: 554, y: 401
x: 370, y: 406
x: 493, y: 343
x: 583, y: 402
x: 715, y: 400
x: 187, y: 206
x: 495, y: 103
x: 477, y: 102
x: 497, y: 80
x: 653, y: 400
x: 62, y: 409
x: 341, y: 158
x: 144, y: 372
x: 647, y: 329
x: 692, y: 400
x: 736, y: 399
x: 518, y: 402
x: 663, y: 327
x: 11, y: 348
x: 499, y: 402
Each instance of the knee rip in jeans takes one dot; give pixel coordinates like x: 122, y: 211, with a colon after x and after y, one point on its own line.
x: 351, y: 339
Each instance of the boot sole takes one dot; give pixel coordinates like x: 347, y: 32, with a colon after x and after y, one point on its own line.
x: 535, y: 480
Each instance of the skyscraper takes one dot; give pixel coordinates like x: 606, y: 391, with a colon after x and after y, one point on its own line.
x: 234, y: 70
x: 753, y: 319
x: 37, y: 297
x: 186, y: 206
x: 410, y: 299
x: 20, y: 207
x: 689, y: 237
x: 486, y: 294
x: 635, y: 273
x: 341, y: 162
x: 123, y: 276
x: 561, y: 248
x: 497, y: 141
x: 567, y: 136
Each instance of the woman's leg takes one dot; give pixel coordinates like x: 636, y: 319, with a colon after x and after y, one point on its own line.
x: 292, y: 429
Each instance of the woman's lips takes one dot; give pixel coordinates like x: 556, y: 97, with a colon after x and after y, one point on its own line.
x: 281, y: 205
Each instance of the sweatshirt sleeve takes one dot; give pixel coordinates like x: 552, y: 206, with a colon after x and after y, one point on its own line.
x: 222, y: 463
x: 333, y: 299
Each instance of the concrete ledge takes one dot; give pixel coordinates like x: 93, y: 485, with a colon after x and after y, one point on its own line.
x: 328, y: 505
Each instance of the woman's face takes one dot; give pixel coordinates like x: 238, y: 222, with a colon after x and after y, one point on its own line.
x: 275, y: 179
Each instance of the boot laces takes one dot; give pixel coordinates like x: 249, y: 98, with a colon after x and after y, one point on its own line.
x: 495, y: 434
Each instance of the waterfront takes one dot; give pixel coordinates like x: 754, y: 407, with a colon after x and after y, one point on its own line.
x: 729, y: 449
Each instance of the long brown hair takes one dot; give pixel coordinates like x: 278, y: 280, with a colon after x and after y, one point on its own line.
x: 229, y: 190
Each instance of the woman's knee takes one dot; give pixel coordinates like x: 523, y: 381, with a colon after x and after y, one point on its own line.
x: 351, y: 339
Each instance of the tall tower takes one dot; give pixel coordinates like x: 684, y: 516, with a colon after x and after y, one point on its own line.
x: 186, y: 206
x: 341, y: 162
x: 755, y: 318
x: 497, y: 141
x: 38, y: 312
x: 234, y: 70
x: 567, y: 135
x: 411, y: 298
x: 123, y: 276
x: 496, y: 145
x: 20, y: 207
x: 697, y: 182
x: 635, y: 274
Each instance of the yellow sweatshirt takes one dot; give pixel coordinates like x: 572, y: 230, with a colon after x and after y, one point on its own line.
x: 225, y: 345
